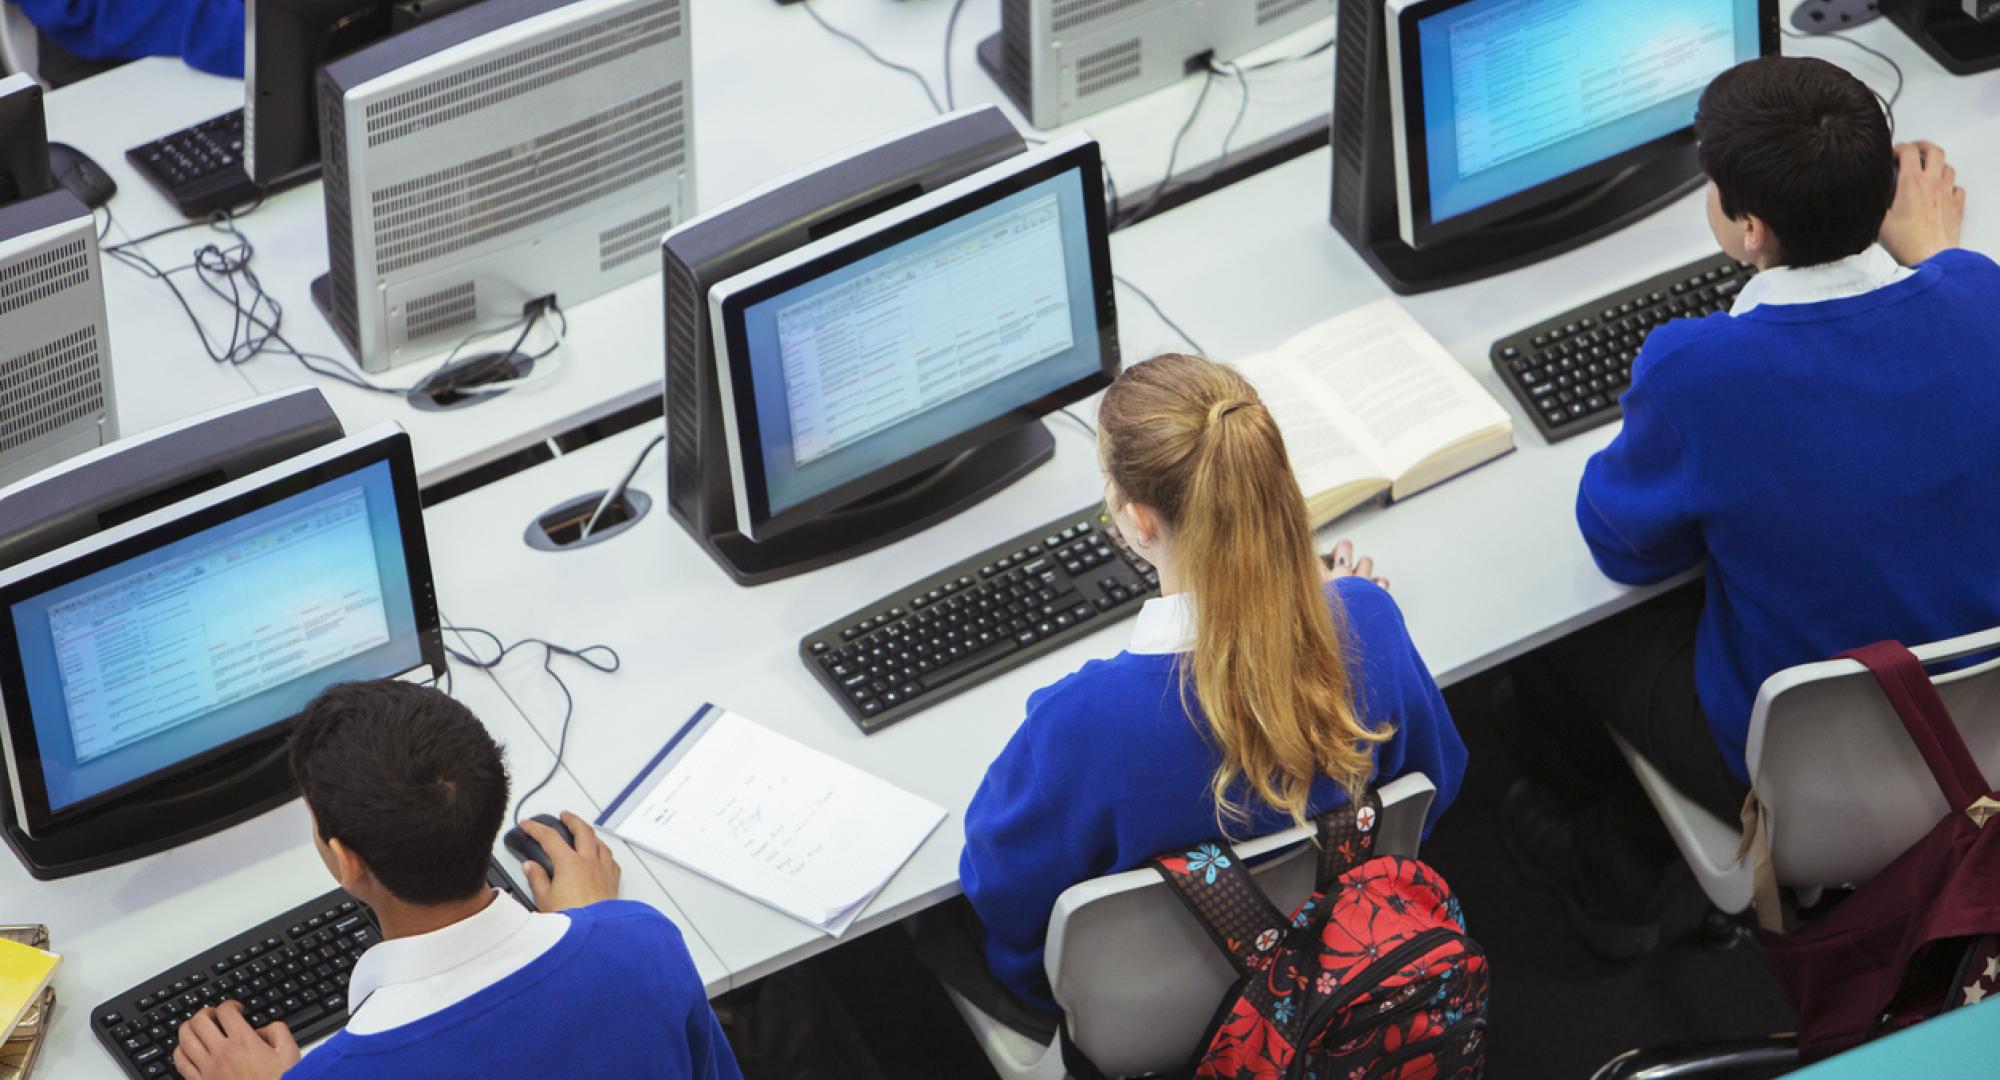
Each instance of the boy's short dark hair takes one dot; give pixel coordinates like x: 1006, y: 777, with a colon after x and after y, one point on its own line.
x: 1803, y: 145
x: 408, y: 779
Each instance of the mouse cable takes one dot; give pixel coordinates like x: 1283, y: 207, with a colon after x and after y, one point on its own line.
x: 550, y: 651
x: 1888, y: 103
x: 1171, y: 325
x: 1242, y: 108
x: 611, y: 495
x: 1080, y: 421
x: 1173, y: 155
x: 812, y: 9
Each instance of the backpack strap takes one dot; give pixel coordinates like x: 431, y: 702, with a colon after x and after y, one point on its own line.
x: 1915, y: 699
x: 1347, y: 837
x: 1212, y: 881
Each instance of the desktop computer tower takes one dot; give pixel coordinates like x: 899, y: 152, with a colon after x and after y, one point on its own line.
x: 1062, y: 60
x: 508, y: 152
x: 55, y: 354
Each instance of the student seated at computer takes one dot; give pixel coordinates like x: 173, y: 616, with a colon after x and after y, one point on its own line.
x: 208, y: 34
x: 407, y: 793
x: 1827, y: 449
x: 1261, y: 688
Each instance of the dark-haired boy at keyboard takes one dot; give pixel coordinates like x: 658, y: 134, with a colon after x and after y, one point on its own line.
x: 1828, y: 448
x: 407, y: 793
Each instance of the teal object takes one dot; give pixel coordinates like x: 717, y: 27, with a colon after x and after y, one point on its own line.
x: 1959, y: 1045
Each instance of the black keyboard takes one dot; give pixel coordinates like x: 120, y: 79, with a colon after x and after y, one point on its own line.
x: 201, y: 167
x: 1568, y: 371
x: 292, y: 968
x: 968, y: 623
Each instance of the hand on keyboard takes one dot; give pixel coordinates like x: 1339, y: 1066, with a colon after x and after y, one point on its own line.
x: 585, y: 873
x: 220, y: 1044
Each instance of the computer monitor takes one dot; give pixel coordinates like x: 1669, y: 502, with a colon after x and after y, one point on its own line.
x: 1496, y: 132
x: 165, y: 658
x: 24, y: 141
x: 1062, y: 60
x: 285, y: 43
x: 773, y: 465
x: 893, y: 346
x: 496, y: 157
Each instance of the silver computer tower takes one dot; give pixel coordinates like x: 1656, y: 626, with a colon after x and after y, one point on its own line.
x: 1061, y: 60
x: 510, y: 151
x: 55, y: 355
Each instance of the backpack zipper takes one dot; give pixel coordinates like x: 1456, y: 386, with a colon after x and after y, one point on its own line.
x: 1391, y: 961
x: 1450, y: 1035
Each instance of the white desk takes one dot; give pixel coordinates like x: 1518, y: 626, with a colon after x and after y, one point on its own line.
x: 1485, y: 567
x: 773, y: 92
x: 118, y: 926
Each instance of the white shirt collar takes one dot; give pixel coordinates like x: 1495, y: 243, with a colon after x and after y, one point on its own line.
x: 1837, y: 280
x: 405, y: 979
x: 1165, y: 625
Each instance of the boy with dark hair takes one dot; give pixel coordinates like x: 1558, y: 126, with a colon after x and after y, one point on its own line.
x: 407, y: 793
x: 1827, y: 449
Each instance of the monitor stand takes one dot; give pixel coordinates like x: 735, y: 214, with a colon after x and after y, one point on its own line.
x: 233, y: 789
x: 1959, y: 43
x: 1528, y: 238
x: 882, y: 519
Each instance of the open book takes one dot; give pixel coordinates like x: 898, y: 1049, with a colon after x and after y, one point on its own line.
x: 1371, y: 405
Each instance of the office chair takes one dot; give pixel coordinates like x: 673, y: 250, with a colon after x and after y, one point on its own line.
x: 1137, y: 978
x: 18, y: 43
x: 1845, y: 792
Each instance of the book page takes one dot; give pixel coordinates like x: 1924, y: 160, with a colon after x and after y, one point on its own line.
x: 1402, y: 394
x: 1323, y: 457
x: 780, y: 822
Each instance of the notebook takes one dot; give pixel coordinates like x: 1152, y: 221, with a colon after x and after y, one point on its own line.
x: 1373, y: 407
x: 772, y: 818
x: 25, y: 972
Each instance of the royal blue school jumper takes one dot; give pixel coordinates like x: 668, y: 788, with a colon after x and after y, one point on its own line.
x: 1836, y: 463
x: 1109, y: 769
x: 616, y: 996
x: 208, y: 34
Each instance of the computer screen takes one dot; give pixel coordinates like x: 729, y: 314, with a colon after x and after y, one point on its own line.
x: 1500, y: 98
x: 134, y: 660
x: 981, y: 305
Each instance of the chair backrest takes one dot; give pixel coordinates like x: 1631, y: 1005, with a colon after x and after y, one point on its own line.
x: 1136, y: 976
x: 1844, y: 787
x: 18, y: 43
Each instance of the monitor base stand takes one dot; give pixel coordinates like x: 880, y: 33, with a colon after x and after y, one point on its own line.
x: 1959, y: 43
x: 913, y: 506
x: 1529, y: 238
x: 235, y: 789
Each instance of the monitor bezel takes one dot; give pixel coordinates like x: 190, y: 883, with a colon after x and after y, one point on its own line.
x: 36, y: 576
x: 731, y: 298
x: 1406, y: 107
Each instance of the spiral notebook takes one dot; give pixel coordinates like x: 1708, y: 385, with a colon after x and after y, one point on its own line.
x: 776, y: 820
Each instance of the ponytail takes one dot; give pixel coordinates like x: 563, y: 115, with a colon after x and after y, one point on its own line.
x: 1191, y: 439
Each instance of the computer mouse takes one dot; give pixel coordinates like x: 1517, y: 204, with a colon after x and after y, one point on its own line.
x: 525, y: 847
x: 82, y: 176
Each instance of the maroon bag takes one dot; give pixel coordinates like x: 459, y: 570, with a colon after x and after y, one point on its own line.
x: 1898, y: 949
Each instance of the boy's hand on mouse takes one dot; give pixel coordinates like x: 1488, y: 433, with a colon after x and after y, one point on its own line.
x: 1929, y: 205
x: 219, y: 1044
x: 585, y: 873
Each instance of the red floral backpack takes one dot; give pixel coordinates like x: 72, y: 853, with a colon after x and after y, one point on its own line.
x: 1372, y: 977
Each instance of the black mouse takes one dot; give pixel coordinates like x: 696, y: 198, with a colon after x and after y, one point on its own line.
x: 83, y: 177
x: 525, y: 847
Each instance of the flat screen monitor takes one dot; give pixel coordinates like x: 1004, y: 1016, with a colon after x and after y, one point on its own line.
x: 1500, y: 106
x: 165, y: 643
x: 859, y: 360
x: 24, y: 141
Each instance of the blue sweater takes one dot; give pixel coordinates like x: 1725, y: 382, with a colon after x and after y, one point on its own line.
x: 208, y: 34
x: 1835, y: 464
x: 1108, y: 770
x: 616, y: 996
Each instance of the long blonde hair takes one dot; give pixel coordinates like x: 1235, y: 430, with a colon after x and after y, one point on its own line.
x: 1190, y: 438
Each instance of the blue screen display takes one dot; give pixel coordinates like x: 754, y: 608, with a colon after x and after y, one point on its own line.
x: 199, y: 642
x: 908, y: 347
x: 1519, y: 92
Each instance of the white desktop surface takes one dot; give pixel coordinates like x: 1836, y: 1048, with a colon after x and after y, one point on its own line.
x: 1485, y: 567
x: 773, y: 93
x: 118, y: 926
